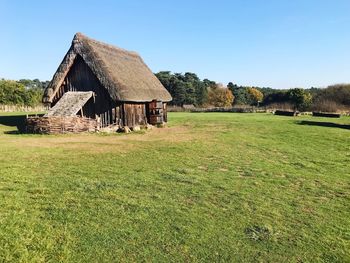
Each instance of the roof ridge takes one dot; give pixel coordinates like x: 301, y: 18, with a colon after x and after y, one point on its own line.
x: 103, y: 65
x: 124, y: 74
x: 80, y: 36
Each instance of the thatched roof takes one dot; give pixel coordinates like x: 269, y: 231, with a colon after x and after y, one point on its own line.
x: 123, y: 73
x: 70, y: 103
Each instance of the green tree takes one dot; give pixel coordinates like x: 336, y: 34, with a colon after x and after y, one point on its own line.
x: 17, y: 93
x: 300, y: 98
x: 185, y: 88
x: 12, y: 92
x: 240, y: 93
x: 255, y: 96
x: 201, y: 93
x: 209, y: 83
x: 232, y: 86
x: 220, y: 96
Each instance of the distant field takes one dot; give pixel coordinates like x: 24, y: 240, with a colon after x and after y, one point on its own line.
x: 210, y: 187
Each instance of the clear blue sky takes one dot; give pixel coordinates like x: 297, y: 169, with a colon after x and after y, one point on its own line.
x: 276, y: 43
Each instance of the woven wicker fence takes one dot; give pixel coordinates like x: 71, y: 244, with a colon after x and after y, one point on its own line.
x: 57, y: 125
x: 21, y: 108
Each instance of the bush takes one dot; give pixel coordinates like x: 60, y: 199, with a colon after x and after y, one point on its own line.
x: 281, y: 106
x: 335, y: 98
x: 329, y: 106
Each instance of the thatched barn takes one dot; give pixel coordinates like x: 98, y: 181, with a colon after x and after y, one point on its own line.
x: 103, y: 82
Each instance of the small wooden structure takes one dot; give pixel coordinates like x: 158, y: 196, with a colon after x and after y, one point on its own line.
x: 104, y: 83
x: 157, y: 112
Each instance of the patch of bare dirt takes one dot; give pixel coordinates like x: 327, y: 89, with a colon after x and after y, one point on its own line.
x: 104, y: 142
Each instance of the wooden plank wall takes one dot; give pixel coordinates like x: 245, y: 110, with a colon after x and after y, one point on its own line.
x: 157, y: 112
x: 134, y: 114
x: 81, y: 78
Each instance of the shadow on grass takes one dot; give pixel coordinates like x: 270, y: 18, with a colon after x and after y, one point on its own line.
x: 325, y: 124
x: 17, y: 121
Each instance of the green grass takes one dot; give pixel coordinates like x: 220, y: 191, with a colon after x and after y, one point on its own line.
x: 211, y: 187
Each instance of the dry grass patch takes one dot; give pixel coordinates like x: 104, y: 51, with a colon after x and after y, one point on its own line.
x: 100, y: 142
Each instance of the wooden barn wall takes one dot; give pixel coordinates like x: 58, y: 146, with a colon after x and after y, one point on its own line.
x: 134, y: 114
x: 81, y: 78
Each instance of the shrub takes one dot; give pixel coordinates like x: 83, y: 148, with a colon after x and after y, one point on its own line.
x: 335, y: 98
x: 281, y: 106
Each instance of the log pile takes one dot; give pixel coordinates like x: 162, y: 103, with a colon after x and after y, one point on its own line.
x: 57, y: 125
x: 287, y: 113
x: 326, y: 114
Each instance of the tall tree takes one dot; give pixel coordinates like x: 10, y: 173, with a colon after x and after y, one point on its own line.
x: 255, y: 96
x: 300, y: 98
x: 185, y: 88
x: 220, y: 96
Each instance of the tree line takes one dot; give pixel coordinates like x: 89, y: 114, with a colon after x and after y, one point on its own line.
x: 188, y: 88
x: 22, y: 92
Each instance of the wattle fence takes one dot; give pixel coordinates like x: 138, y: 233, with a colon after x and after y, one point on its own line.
x: 21, y: 108
x: 243, y: 109
x: 57, y: 125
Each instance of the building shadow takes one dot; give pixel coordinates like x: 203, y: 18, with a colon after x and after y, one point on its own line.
x: 325, y: 124
x: 13, y: 132
x: 17, y: 121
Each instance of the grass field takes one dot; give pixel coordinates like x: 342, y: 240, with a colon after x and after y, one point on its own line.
x: 210, y: 187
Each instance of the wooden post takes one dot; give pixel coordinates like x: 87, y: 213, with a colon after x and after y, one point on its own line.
x: 94, y: 98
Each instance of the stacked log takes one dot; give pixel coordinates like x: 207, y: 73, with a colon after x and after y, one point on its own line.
x: 287, y: 113
x: 326, y: 114
x: 57, y: 125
